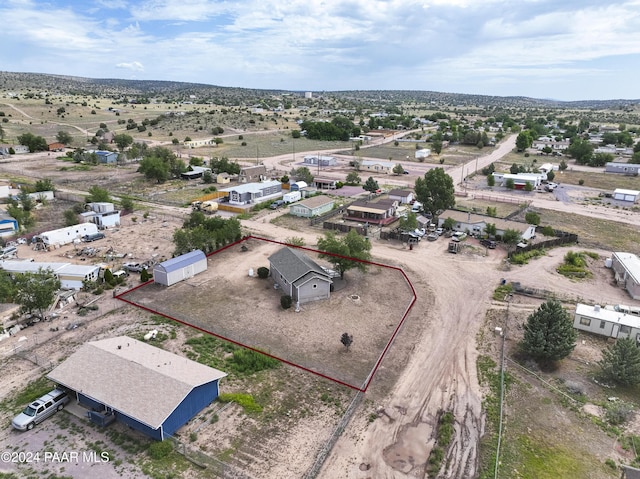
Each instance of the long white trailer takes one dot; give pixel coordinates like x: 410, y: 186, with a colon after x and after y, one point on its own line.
x: 68, y: 234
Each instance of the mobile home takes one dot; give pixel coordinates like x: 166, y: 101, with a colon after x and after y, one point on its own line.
x: 606, y: 322
x: 67, y: 235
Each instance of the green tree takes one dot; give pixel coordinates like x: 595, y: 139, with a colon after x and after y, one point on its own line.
x: 44, y: 185
x: 532, y: 218
x: 492, y: 211
x: 491, y: 229
x: 435, y: 191
x: 123, y: 141
x: 154, y: 168
x: 620, y: 362
x: 302, y: 174
x: 528, y: 186
x: 98, y: 195
x: 491, y: 180
x: 398, y: 169
x: 549, y: 334
x: 509, y: 184
x: 511, y: 236
x: 35, y: 143
x: 371, y: 185
x: 70, y: 218
x: 550, y: 175
x: 408, y: 223
x: 436, y: 146
x: 353, y: 178
x: 346, y: 253
x: 64, y: 137
x: 524, y: 140
x: 35, y: 292
x: 563, y: 165
x: 581, y: 150
x: 449, y: 223
x: 127, y: 204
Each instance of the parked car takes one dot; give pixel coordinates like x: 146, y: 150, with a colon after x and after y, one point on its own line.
x: 550, y: 186
x: 40, y: 409
x: 93, y: 237
x: 433, y: 236
x: 133, y: 267
x: 488, y: 243
x: 439, y: 231
x: 420, y: 232
x: 276, y: 204
x: 405, y: 172
x: 458, y: 236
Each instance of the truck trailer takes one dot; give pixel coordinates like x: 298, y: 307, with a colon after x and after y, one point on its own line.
x: 291, y: 197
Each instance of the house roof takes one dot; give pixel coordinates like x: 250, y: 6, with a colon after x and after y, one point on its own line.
x: 367, y: 207
x: 385, y: 164
x: 630, y: 472
x: 631, y: 263
x: 293, y: 264
x: 401, y: 193
x: 608, y: 315
x: 253, y: 170
x: 57, y: 268
x: 132, y: 377
x: 181, y: 261
x: 252, y: 187
x: 474, y: 219
x: 316, y: 201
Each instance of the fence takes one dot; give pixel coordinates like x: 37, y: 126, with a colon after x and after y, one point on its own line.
x: 344, y: 228
x: 563, y: 238
x: 501, y: 199
x: 314, y: 470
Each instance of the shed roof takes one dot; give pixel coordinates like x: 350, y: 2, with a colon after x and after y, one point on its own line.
x: 135, y: 378
x: 293, y: 264
x: 401, y: 193
x: 626, y: 192
x: 183, y: 260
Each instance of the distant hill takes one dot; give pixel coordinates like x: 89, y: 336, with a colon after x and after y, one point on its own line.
x: 112, y: 87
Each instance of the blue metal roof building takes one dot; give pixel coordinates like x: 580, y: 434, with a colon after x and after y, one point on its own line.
x: 180, y: 268
x: 149, y: 389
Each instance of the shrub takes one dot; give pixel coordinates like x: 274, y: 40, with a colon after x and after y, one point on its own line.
x: 286, y: 301
x: 618, y: 413
x: 246, y: 401
x: 581, y: 182
x: 159, y: 450
x: 263, y: 272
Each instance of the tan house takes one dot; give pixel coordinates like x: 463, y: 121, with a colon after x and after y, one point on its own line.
x: 223, y: 178
x: 251, y: 174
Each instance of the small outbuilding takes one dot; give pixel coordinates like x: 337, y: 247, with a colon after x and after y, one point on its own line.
x: 628, y: 196
x: 626, y: 269
x: 180, y: 268
x: 8, y: 225
x: 145, y: 387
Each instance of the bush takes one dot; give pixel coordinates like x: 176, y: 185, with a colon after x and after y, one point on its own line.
x: 286, y: 301
x: 581, y: 182
x: 618, y: 413
x: 263, y: 272
x: 246, y: 401
x: 159, y: 450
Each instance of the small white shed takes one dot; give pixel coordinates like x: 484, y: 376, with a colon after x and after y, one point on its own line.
x: 626, y: 195
x: 180, y: 268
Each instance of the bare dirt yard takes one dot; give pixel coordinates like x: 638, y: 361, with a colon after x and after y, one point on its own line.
x: 226, y: 301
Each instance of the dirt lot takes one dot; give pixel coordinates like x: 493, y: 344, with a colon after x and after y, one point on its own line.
x: 226, y: 301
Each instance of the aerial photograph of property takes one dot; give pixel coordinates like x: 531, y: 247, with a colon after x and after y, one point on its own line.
x: 333, y: 240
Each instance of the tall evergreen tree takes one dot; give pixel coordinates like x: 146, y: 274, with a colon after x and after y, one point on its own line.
x: 549, y: 332
x: 620, y: 362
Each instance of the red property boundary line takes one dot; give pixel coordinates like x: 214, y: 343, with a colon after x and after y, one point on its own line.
x: 372, y: 373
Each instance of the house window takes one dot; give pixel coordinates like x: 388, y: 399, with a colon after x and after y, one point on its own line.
x: 625, y: 329
x: 602, y: 324
x: 585, y: 321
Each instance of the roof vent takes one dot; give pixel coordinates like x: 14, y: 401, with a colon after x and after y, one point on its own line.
x: 596, y: 308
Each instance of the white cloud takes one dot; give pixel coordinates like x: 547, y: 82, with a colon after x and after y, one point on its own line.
x: 133, y: 66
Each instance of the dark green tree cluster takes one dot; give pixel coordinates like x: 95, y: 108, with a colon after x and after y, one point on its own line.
x: 371, y: 185
x: 620, y: 363
x: 340, y: 128
x: 549, y: 334
x: 524, y: 140
x: 160, y: 164
x: 35, y: 143
x: 35, y: 292
x: 302, y: 174
x: 223, y: 165
x: 581, y: 150
x: 344, y: 253
x: 475, y: 138
x: 20, y: 209
x: 205, y: 233
x: 435, y: 191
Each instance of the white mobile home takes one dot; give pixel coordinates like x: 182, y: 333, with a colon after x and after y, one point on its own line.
x: 67, y: 235
x: 70, y: 275
x: 606, y: 322
x: 180, y: 268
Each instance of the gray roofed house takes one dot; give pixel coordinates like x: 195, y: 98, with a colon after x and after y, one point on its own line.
x: 299, y: 276
x: 314, y: 206
x: 147, y: 388
x: 249, y: 174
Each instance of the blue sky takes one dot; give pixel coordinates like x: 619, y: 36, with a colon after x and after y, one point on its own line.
x: 566, y: 50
